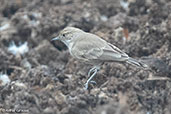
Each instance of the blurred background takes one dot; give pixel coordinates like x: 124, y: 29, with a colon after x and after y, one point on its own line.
x: 39, y: 76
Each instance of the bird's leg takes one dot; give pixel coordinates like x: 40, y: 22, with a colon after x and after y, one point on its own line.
x: 94, y: 70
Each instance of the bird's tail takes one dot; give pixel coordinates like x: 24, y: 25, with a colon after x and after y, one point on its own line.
x: 137, y: 63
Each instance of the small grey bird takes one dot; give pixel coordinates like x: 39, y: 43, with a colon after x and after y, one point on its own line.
x: 93, y: 50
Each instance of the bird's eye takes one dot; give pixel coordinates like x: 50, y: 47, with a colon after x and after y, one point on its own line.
x: 63, y: 35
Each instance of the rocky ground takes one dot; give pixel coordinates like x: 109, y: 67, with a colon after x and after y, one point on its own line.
x: 39, y: 76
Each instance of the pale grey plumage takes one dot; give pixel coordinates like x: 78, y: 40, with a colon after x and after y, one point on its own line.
x: 92, y: 49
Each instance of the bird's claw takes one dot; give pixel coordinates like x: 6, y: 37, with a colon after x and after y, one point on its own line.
x: 93, y: 82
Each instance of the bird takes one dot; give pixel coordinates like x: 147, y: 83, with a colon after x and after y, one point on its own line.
x: 92, y: 49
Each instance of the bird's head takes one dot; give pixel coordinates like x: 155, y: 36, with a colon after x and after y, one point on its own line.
x: 68, y: 35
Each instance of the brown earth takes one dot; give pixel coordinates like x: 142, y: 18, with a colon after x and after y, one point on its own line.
x: 48, y: 80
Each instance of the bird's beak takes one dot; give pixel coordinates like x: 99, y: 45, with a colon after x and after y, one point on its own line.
x: 56, y: 38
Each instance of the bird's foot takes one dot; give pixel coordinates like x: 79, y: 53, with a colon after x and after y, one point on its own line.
x: 93, y: 82
x: 86, y: 84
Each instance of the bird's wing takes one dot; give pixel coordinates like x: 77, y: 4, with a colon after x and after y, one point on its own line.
x: 87, y: 50
x: 95, y: 48
x: 112, y: 53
